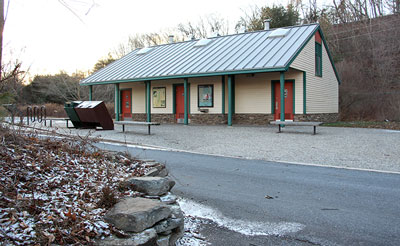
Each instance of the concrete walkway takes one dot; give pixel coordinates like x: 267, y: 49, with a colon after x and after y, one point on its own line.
x: 360, y: 148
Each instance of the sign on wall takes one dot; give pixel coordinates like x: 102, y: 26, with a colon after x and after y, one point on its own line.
x: 159, y: 97
x: 206, y: 95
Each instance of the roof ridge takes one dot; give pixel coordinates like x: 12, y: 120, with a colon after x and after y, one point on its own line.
x: 228, y: 35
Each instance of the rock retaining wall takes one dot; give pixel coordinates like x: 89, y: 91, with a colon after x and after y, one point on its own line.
x: 317, y: 117
x: 252, y: 119
x: 245, y: 119
x: 208, y: 119
x: 153, y: 219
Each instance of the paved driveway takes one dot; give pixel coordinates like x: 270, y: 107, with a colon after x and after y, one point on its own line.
x: 332, y: 146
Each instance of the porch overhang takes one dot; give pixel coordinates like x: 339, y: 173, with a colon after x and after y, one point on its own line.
x: 185, y: 76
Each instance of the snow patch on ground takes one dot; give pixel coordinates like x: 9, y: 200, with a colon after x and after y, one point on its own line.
x: 192, y: 234
x: 248, y: 228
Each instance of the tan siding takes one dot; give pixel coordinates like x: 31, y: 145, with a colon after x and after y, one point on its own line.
x: 322, y: 92
x: 138, y: 96
x: 253, y: 94
x: 216, y: 81
x: 168, y: 96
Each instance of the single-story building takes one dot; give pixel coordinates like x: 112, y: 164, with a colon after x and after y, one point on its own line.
x: 246, y: 78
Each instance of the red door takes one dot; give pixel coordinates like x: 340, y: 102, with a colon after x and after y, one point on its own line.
x: 288, y: 101
x: 126, y: 101
x: 179, y: 103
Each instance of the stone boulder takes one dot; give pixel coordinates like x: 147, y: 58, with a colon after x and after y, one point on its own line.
x: 169, y: 198
x: 176, y: 234
x: 163, y: 240
x: 153, y: 186
x: 176, y: 211
x: 137, y: 214
x: 157, y: 171
x: 146, y: 238
x: 168, y: 225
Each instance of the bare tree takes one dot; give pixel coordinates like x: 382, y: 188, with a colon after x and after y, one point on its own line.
x: 367, y: 60
x: 2, y: 22
x: 280, y: 16
x: 206, y: 26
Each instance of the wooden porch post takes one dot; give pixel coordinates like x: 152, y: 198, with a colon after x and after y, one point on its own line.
x: 223, y: 94
x: 148, y: 101
x: 186, y: 113
x: 282, y: 83
x: 90, y: 92
x: 117, y: 102
x: 230, y: 99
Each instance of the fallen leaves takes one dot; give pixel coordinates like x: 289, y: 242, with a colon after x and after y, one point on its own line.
x: 56, y: 192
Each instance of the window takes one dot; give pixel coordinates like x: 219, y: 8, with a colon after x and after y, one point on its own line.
x: 318, y: 59
x: 205, y: 96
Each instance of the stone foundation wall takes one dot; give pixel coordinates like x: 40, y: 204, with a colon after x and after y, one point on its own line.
x: 317, y: 117
x: 139, y: 117
x: 241, y: 119
x: 163, y: 118
x: 208, y: 119
x: 252, y: 119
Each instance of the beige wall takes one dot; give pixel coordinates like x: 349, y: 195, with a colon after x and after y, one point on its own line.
x: 194, y: 83
x: 168, y: 96
x: 253, y: 94
x: 322, y: 92
x: 138, y: 96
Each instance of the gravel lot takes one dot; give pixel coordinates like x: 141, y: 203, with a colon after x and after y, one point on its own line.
x: 332, y: 146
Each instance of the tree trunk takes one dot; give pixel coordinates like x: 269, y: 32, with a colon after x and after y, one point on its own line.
x: 1, y: 35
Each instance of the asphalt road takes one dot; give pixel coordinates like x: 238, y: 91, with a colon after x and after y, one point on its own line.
x: 334, y: 206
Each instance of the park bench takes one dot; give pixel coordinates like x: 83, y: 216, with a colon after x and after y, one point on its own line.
x: 55, y: 119
x: 133, y: 123
x: 296, y: 123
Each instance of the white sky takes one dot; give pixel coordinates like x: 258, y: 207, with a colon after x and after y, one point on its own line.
x: 47, y: 37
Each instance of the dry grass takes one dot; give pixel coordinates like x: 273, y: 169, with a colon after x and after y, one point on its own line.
x: 392, y: 125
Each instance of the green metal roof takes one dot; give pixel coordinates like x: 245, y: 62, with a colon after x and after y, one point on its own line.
x: 250, y: 52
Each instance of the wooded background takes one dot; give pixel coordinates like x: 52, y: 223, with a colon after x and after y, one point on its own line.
x: 363, y: 37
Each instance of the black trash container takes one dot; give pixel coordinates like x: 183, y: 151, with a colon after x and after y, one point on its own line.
x: 73, y: 116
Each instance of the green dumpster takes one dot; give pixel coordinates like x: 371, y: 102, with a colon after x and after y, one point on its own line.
x: 69, y: 108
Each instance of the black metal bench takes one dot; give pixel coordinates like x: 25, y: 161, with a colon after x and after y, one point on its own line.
x: 55, y: 119
x: 296, y: 123
x: 132, y: 123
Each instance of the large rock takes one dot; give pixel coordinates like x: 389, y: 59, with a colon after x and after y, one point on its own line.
x: 154, y: 186
x: 137, y: 214
x: 176, y: 234
x: 168, y: 225
x: 145, y: 238
x: 169, y: 198
x: 159, y: 172
x: 156, y: 169
x: 176, y: 211
x: 163, y: 240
